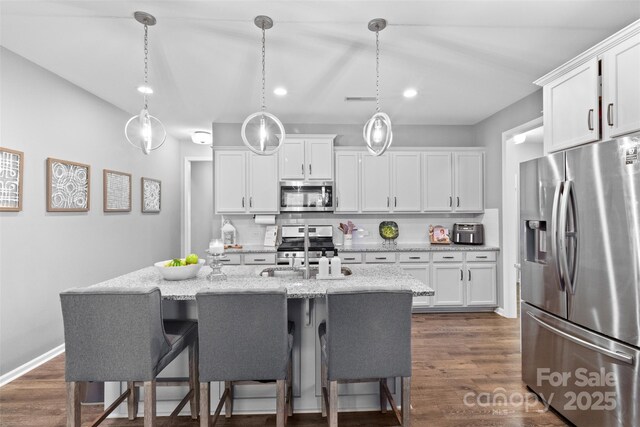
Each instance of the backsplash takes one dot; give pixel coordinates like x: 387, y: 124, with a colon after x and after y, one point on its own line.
x: 413, y: 227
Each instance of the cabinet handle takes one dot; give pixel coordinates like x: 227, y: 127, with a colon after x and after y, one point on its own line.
x: 310, y: 169
x: 447, y: 257
x: 590, y: 119
x: 414, y: 257
x: 259, y: 259
x: 302, y: 168
x: 250, y: 202
x: 387, y: 201
x: 337, y: 201
x: 461, y: 275
x: 381, y: 257
x: 610, y: 114
x: 349, y: 259
x: 457, y: 202
x: 481, y: 257
x: 395, y: 202
x: 243, y: 202
x: 450, y: 201
x: 469, y: 274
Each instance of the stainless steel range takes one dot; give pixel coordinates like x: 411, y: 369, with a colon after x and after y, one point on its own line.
x: 292, y: 246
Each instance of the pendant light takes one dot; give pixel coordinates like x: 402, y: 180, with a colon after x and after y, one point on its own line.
x: 144, y: 131
x: 258, y: 128
x: 377, y: 132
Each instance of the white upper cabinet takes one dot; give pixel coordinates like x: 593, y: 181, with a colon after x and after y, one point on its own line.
x: 245, y: 182
x: 307, y: 157
x: 621, y: 89
x: 468, y: 182
x: 347, y: 182
x: 375, y: 183
x: 230, y: 182
x: 405, y: 182
x: 263, y: 183
x: 437, y: 182
x: 571, y: 108
x: 596, y: 95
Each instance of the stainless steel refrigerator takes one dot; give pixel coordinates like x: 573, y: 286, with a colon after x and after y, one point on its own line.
x: 580, y: 281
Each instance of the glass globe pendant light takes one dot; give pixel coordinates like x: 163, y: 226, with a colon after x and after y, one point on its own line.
x: 260, y: 129
x: 144, y: 131
x: 377, y: 132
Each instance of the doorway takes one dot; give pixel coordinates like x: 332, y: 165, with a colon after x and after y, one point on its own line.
x: 522, y: 143
x: 197, y: 205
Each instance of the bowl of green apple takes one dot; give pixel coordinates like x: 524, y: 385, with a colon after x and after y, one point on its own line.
x: 180, y: 268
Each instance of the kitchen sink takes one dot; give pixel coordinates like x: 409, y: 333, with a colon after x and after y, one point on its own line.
x: 288, y: 272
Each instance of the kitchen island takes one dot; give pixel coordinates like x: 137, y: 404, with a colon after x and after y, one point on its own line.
x: 306, y: 307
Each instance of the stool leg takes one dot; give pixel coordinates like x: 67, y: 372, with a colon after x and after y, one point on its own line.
x: 228, y: 402
x: 406, y: 401
x: 333, y: 403
x: 281, y: 386
x: 290, y: 387
x: 383, y: 397
x: 194, y: 384
x: 323, y: 386
x: 132, y: 401
x: 73, y: 404
x: 150, y: 403
x: 205, y: 411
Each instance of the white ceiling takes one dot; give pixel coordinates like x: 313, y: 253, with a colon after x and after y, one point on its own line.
x: 467, y: 59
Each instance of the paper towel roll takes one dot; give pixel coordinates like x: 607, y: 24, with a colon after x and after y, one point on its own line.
x: 266, y: 219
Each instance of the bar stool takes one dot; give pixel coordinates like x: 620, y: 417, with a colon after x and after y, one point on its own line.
x: 365, y: 338
x: 118, y: 334
x: 244, y: 337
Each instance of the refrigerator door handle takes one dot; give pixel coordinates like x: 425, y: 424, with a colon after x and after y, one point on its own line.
x: 623, y: 357
x: 562, y: 257
x: 555, y: 234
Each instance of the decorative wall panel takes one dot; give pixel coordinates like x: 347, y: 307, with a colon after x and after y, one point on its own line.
x: 151, y: 195
x: 11, y: 168
x: 116, y: 190
x: 68, y: 186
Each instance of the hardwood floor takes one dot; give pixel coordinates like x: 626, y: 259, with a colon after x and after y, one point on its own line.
x: 454, y: 356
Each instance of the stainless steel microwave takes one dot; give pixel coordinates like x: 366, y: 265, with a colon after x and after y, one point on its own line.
x: 299, y: 196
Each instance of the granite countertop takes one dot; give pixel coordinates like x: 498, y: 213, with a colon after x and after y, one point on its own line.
x: 247, y: 277
x: 413, y: 247
x: 252, y: 249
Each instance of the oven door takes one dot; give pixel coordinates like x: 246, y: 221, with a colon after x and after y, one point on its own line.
x: 297, y: 196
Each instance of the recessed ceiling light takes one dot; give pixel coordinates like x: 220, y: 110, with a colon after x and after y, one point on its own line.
x: 146, y: 89
x: 410, y: 93
x: 280, y: 91
x: 201, y: 137
x: 519, y: 138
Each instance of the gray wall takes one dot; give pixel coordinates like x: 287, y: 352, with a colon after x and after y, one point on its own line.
x: 201, y: 206
x: 44, y: 253
x: 488, y: 134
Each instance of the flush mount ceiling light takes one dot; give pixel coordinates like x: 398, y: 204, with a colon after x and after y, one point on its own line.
x: 410, y: 93
x: 260, y: 129
x: 202, y: 137
x: 519, y: 138
x: 280, y: 91
x: 144, y: 131
x: 377, y: 132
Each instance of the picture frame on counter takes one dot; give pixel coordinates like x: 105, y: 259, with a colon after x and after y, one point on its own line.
x: 68, y: 186
x: 438, y: 235
x: 151, y: 195
x: 116, y: 191
x: 11, y: 179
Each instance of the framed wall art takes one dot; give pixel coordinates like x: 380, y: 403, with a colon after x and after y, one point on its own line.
x: 151, y: 195
x: 11, y: 172
x: 68, y: 186
x: 116, y: 191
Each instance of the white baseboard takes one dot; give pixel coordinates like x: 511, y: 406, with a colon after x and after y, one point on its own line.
x: 502, y: 312
x: 32, y: 364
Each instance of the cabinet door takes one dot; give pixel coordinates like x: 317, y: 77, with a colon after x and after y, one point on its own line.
x: 230, y: 182
x: 406, y: 182
x: 263, y: 183
x: 347, y: 182
x: 319, y: 159
x: 468, y: 182
x: 481, y: 284
x: 437, y: 182
x: 292, y: 159
x: 448, y: 285
x: 571, y: 108
x: 621, y: 89
x: 420, y: 272
x: 375, y: 183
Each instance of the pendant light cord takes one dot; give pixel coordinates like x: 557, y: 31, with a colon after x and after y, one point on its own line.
x: 264, y: 107
x: 377, y: 72
x: 146, y: 61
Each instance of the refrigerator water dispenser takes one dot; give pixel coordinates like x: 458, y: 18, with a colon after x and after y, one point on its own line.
x: 535, y: 241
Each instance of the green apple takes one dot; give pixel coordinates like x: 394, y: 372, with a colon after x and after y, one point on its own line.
x: 192, y: 259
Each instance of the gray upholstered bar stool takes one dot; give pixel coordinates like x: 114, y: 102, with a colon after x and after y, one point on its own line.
x: 244, y: 337
x: 118, y: 334
x: 366, y: 337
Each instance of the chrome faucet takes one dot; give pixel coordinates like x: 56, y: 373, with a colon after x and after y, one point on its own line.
x: 306, y: 252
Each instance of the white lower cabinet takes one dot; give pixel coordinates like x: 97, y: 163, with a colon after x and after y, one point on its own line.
x: 448, y: 284
x: 420, y: 272
x: 481, y: 283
